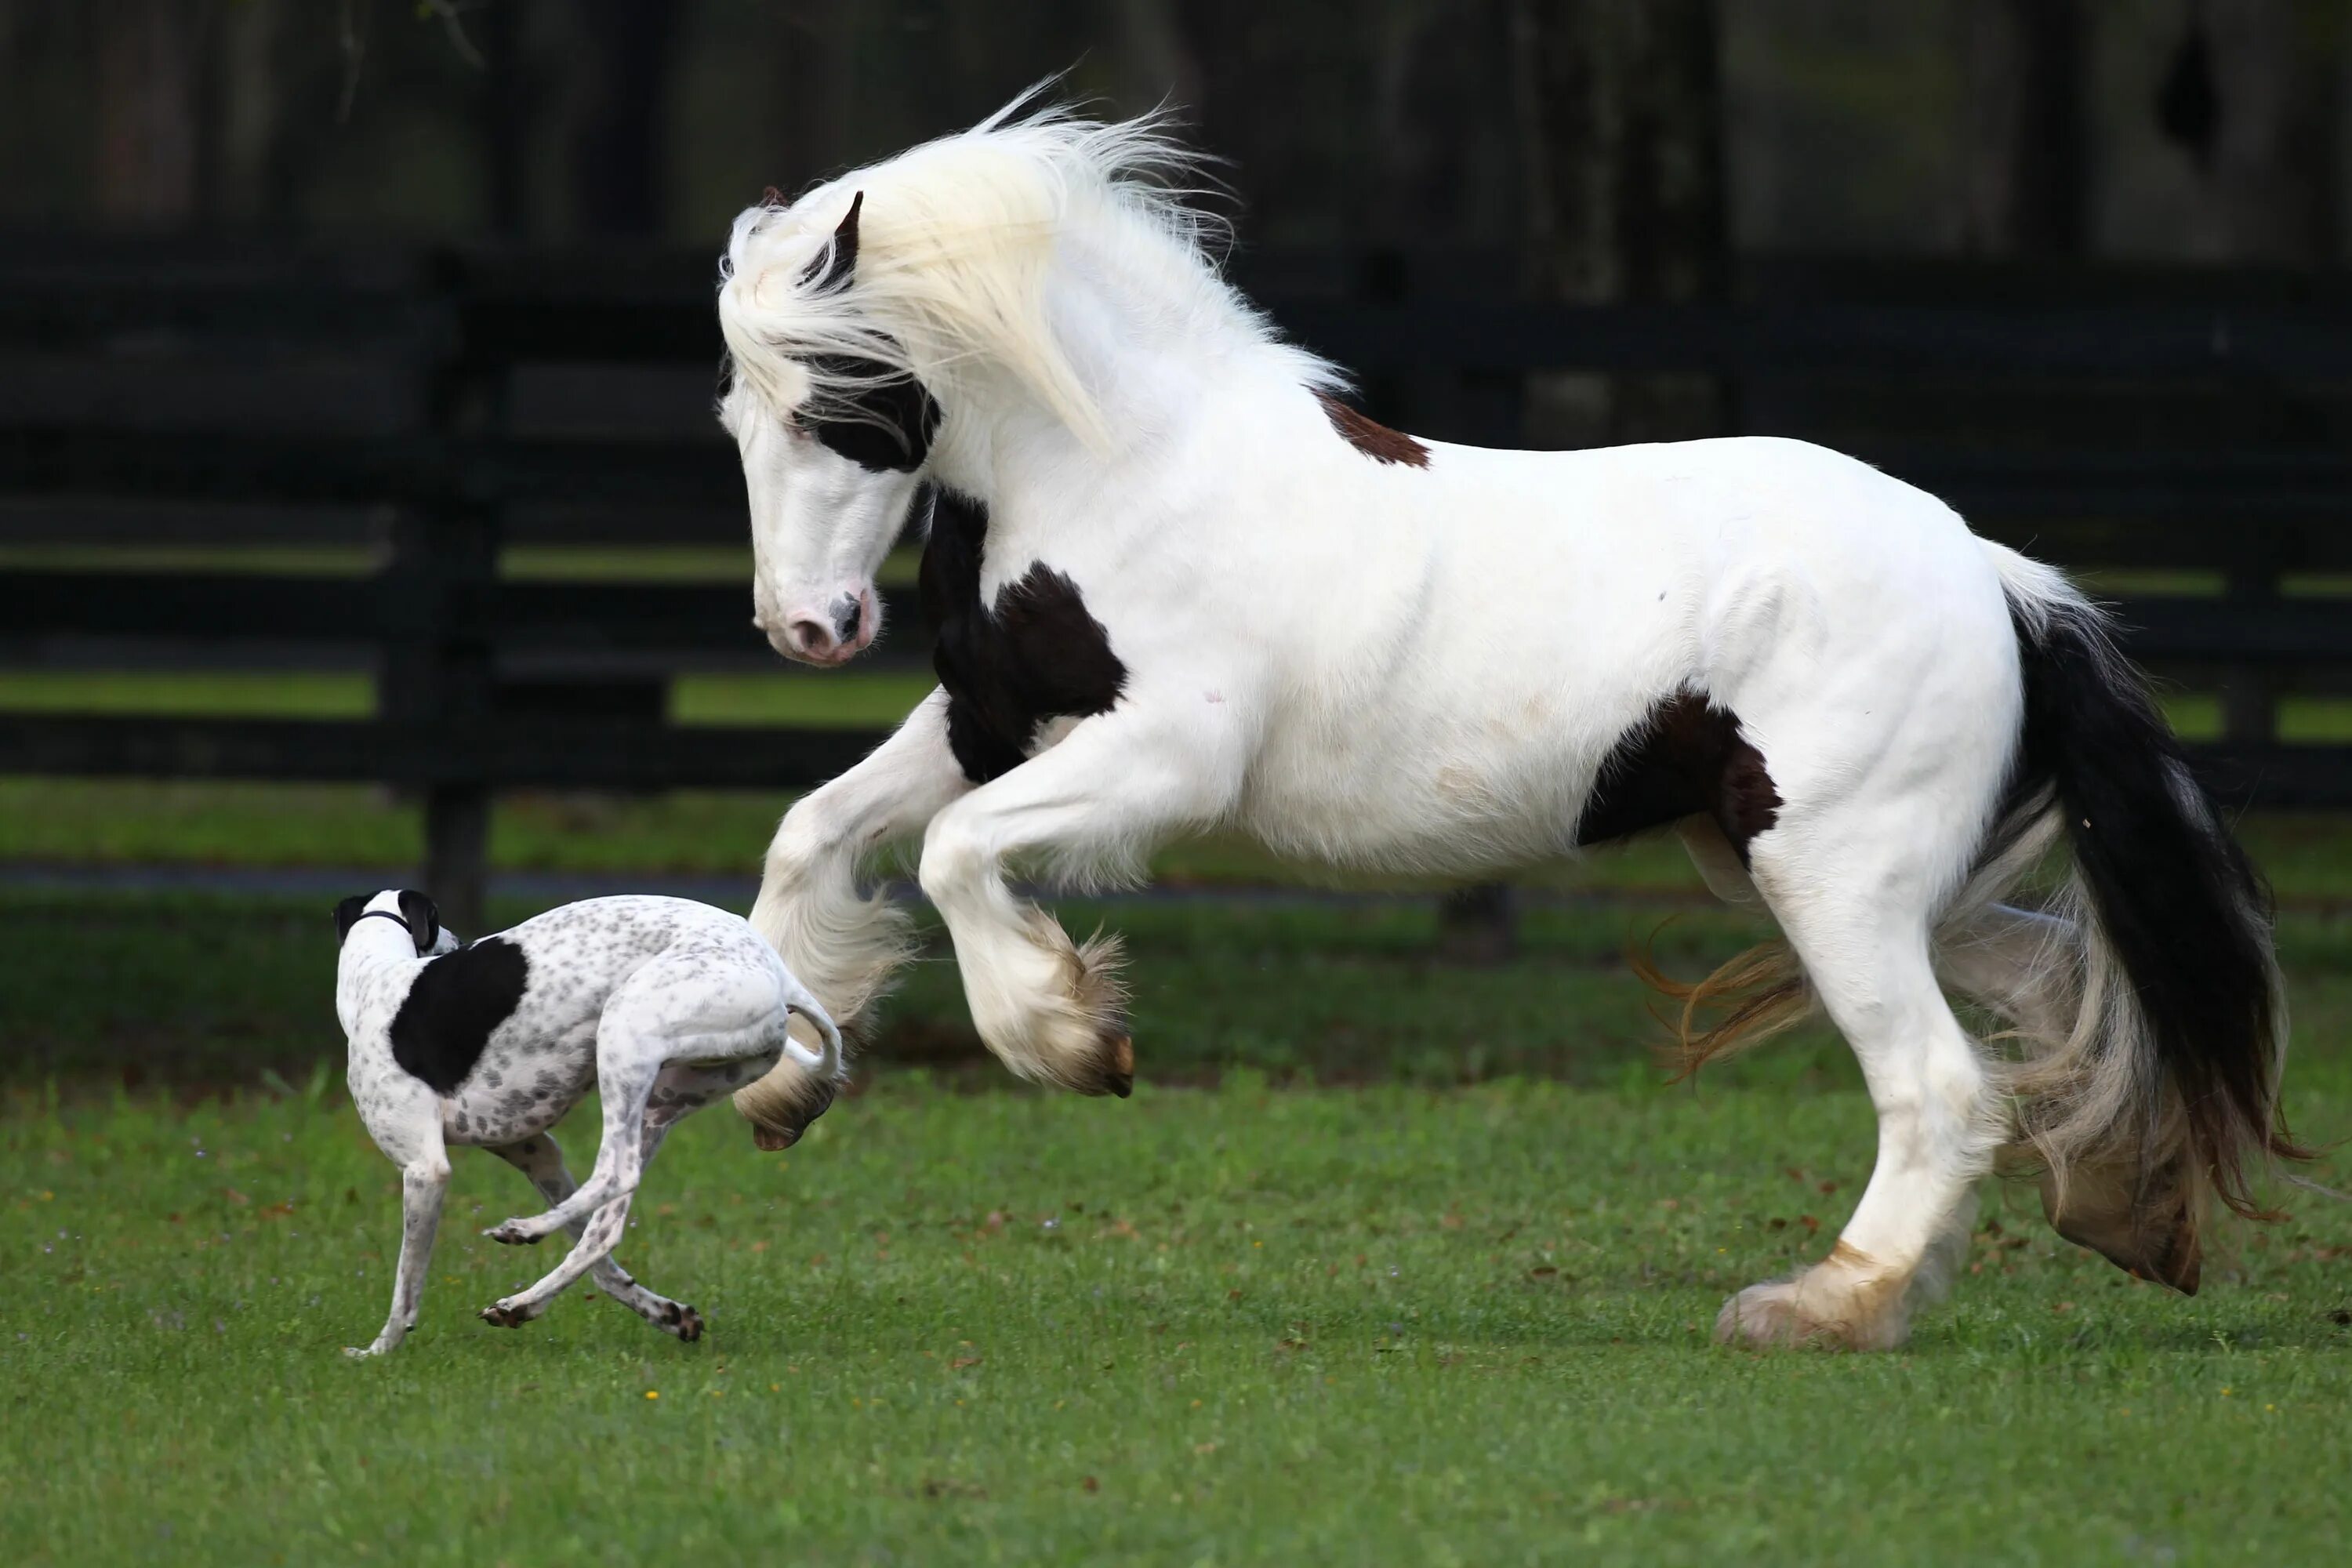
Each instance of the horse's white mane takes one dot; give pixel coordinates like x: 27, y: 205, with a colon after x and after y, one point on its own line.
x: 955, y: 241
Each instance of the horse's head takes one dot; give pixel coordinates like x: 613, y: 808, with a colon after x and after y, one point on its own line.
x: 833, y: 445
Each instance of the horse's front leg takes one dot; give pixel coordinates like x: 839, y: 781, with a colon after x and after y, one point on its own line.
x: 842, y: 940
x: 1091, y: 808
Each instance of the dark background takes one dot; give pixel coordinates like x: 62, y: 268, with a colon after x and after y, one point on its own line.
x: 314, y: 313
x: 2170, y: 130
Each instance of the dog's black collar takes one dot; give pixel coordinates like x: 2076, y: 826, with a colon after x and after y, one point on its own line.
x: 386, y: 915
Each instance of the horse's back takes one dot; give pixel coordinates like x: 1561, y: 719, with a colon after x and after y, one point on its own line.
x: 1566, y: 596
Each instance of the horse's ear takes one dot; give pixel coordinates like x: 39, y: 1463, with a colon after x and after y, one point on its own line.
x: 347, y: 914
x: 424, y: 920
x: 837, y: 267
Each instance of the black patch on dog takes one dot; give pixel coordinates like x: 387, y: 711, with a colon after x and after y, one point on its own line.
x: 1036, y: 654
x: 1685, y: 759
x: 887, y: 425
x: 347, y: 915
x: 1375, y: 441
x: 448, y: 1015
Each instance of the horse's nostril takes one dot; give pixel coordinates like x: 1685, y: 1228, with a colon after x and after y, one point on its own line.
x: 811, y: 635
x: 847, y: 614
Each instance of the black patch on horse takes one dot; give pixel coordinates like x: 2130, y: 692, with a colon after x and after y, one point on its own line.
x: 887, y: 424
x: 1035, y: 654
x: 459, y: 998
x: 1684, y: 759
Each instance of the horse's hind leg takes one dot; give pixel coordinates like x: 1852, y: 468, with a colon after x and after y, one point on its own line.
x: 1859, y: 916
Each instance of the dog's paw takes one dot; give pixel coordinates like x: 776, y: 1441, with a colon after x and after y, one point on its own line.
x: 507, y: 1315
x: 515, y: 1233
x: 677, y: 1317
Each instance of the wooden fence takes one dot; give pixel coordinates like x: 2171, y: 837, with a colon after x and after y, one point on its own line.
x: 439, y: 406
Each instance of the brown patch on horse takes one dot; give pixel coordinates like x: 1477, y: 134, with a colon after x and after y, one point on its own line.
x: 1375, y: 441
x: 1684, y: 759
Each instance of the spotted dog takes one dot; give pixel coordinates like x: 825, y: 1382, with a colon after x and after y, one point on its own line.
x: 664, y: 1005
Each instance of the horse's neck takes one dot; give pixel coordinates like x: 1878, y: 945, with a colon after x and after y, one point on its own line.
x: 1046, y: 489
x: 1158, y: 359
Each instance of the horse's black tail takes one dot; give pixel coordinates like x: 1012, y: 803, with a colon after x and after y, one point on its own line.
x: 2166, y: 1075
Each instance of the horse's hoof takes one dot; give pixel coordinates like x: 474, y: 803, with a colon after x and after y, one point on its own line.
x: 772, y: 1140
x: 1118, y: 1071
x: 1826, y: 1307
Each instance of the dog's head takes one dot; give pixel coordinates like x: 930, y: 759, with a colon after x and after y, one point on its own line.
x: 410, y: 910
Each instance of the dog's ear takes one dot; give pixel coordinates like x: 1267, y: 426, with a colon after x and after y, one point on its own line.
x: 424, y: 920
x: 347, y: 914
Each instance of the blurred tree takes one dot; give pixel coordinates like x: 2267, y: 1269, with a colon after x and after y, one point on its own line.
x: 150, y: 131
x: 815, y: 92
x: 2270, y: 149
x: 2024, y: 157
x: 617, y: 143
x: 1620, y: 150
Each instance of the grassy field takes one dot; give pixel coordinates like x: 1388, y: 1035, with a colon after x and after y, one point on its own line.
x: 1379, y: 1325
x: 1390, y: 1259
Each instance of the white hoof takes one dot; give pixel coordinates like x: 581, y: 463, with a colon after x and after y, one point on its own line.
x: 1844, y: 1303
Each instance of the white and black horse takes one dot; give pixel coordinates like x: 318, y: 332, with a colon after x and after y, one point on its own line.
x: 1180, y: 585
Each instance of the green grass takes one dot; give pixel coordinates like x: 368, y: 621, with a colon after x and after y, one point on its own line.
x: 1313, y: 1327
x: 206, y: 989
x: 2307, y: 857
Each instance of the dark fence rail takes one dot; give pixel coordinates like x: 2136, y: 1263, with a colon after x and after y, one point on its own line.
x: 436, y: 408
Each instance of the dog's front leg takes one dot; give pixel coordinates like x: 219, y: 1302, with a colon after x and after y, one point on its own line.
x: 423, y: 1181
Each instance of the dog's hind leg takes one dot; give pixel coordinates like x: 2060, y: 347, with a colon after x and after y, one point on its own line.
x: 424, y: 1179
x: 625, y: 1075
x: 539, y: 1160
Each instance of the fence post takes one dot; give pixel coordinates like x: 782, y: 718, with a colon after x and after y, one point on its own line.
x: 437, y: 687
x: 439, y: 679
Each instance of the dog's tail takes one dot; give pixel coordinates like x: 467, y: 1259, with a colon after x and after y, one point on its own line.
x: 824, y: 1064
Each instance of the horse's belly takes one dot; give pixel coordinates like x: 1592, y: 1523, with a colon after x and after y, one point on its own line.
x: 1453, y: 795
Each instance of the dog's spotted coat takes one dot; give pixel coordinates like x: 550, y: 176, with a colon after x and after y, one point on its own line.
x: 664, y: 1005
